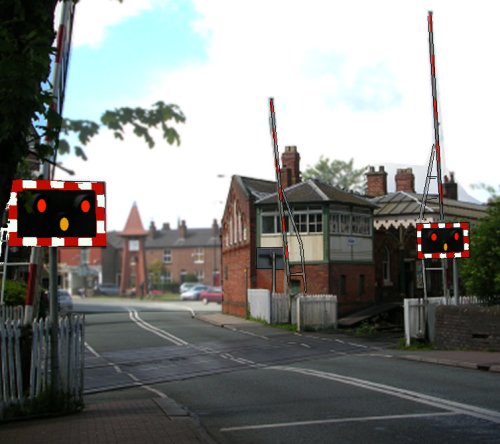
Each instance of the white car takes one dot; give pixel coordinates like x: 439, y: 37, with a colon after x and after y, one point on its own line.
x: 187, y: 286
x: 193, y: 294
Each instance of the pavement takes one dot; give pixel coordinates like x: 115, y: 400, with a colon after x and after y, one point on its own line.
x: 162, y: 421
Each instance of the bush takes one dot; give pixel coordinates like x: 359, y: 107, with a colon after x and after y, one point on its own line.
x: 15, y: 293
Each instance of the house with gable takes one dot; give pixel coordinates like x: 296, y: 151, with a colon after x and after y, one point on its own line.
x: 336, y: 228
x: 398, y: 272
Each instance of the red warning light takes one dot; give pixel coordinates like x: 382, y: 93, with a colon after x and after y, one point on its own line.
x: 434, y: 237
x: 41, y: 205
x: 85, y: 206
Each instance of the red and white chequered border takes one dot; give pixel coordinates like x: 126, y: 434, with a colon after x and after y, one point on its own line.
x: 463, y: 225
x: 19, y: 185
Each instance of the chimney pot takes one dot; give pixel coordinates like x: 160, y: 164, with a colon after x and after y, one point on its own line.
x: 290, y: 170
x: 405, y: 180
x: 376, y: 182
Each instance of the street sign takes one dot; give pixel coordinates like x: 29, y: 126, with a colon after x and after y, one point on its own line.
x: 48, y: 213
x: 265, y: 258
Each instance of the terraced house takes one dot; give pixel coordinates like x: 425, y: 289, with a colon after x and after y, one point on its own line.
x: 336, y: 228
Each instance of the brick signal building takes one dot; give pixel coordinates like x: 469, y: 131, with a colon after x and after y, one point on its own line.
x: 335, y: 227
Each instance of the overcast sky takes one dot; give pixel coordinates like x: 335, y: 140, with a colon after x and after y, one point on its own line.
x: 349, y: 80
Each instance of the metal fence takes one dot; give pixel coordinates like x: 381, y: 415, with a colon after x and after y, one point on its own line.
x: 15, y: 390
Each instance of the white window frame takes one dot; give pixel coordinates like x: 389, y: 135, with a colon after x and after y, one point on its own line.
x: 167, y: 257
x: 199, y: 255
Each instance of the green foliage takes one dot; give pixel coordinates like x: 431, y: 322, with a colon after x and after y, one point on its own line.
x: 190, y: 277
x: 338, y: 173
x: 155, y: 269
x: 139, y: 119
x: 481, y: 272
x: 365, y: 329
x: 27, y: 120
x: 15, y: 293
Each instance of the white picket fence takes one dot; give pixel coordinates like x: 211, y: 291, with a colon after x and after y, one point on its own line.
x: 10, y: 312
x: 314, y: 311
x: 13, y: 390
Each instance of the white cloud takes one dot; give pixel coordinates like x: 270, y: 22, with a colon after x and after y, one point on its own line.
x: 315, y: 60
x: 95, y: 17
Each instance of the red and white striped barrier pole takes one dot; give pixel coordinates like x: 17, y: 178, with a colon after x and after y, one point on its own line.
x: 435, y: 115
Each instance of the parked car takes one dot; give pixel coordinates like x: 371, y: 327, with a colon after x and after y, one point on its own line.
x: 193, y: 294
x: 187, y: 286
x: 106, y: 289
x: 212, y: 294
x: 64, y: 302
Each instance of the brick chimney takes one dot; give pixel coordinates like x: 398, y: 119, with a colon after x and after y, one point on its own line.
x: 152, y: 229
x: 215, y: 228
x: 450, y: 187
x: 405, y: 180
x: 290, y: 167
x: 183, y: 230
x: 376, y: 182
x: 165, y: 226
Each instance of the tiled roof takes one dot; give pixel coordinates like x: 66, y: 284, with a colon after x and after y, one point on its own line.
x: 404, y: 207
x: 196, y: 237
x: 314, y: 190
x: 134, y: 226
x: 257, y: 188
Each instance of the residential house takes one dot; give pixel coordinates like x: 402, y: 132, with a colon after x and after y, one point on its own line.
x: 178, y: 252
x: 398, y: 272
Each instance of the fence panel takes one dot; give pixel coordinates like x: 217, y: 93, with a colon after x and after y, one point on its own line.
x: 259, y: 304
x: 12, y: 313
x: 71, y: 355
x: 317, y: 311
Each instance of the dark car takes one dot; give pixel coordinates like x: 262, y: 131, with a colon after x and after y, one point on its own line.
x: 106, y: 289
x: 64, y: 302
x: 213, y: 294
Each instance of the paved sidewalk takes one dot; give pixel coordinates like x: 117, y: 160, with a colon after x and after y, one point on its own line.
x: 489, y: 361
x: 149, y: 421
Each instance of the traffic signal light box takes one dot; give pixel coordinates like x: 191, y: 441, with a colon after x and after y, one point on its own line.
x: 56, y: 213
x: 443, y: 240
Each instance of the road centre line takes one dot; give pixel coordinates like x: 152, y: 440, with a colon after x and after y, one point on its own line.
x: 335, y: 421
x: 134, y: 316
x: 457, y: 407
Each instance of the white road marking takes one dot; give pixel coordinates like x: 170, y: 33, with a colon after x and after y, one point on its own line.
x: 334, y: 420
x: 130, y: 375
x: 305, y: 345
x: 457, y: 407
x: 134, y: 316
x: 153, y: 390
x: 91, y: 350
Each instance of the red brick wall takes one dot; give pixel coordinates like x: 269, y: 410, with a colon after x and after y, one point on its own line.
x: 238, y: 257
x: 183, y: 260
x: 352, y: 300
x: 71, y: 256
